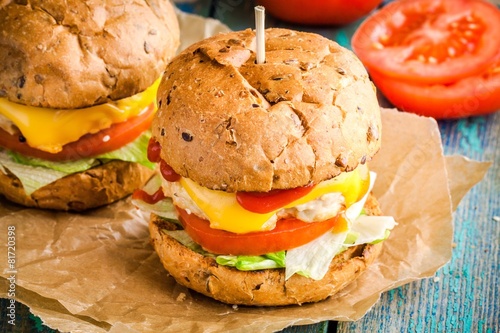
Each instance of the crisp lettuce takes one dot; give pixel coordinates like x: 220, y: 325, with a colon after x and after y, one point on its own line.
x: 313, y: 259
x: 35, y: 173
x: 164, y: 208
x: 370, y: 229
x: 252, y: 263
x: 64, y: 167
x: 132, y: 152
x: 182, y: 237
x: 32, y: 177
x: 242, y: 263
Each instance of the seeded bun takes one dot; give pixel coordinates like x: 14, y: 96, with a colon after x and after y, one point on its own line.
x: 95, y: 187
x: 74, y: 54
x: 261, y: 288
x: 307, y: 114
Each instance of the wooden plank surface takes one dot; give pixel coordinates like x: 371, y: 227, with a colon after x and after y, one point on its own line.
x: 464, y: 295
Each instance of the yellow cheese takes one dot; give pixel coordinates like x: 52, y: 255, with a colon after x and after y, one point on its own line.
x: 224, y: 212
x: 50, y: 129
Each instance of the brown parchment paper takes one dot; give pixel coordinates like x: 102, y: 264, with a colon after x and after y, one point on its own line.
x: 97, y: 272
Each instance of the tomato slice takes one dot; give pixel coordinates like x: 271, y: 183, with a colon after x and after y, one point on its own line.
x: 429, y: 41
x: 288, y: 234
x: 265, y: 202
x: 89, y: 145
x: 476, y: 95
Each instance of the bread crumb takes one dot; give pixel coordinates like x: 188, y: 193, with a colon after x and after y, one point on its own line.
x: 453, y: 245
x: 437, y: 279
x: 181, y: 297
x: 496, y: 218
x: 235, y: 307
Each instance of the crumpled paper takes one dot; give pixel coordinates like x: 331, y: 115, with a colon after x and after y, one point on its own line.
x: 97, y: 271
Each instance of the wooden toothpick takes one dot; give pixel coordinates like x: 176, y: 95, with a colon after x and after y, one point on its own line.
x: 260, y: 34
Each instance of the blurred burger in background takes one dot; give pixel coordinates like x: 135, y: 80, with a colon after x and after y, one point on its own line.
x: 78, y: 85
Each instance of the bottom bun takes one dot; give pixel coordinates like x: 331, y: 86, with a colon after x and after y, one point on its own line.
x: 88, y: 189
x: 258, y: 288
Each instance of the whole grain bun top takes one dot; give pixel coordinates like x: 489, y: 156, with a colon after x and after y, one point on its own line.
x: 307, y: 114
x: 75, y: 53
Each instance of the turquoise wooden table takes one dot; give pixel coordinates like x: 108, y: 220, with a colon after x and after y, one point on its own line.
x: 463, y: 296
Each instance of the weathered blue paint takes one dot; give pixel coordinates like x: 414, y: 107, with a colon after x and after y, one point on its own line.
x: 470, y: 129
x: 342, y: 38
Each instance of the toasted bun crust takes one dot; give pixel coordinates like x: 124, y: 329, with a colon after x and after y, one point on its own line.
x: 95, y: 187
x: 73, y: 54
x: 306, y: 115
x: 262, y: 288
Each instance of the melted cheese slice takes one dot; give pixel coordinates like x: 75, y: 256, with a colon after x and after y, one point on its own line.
x: 50, y: 129
x: 224, y: 212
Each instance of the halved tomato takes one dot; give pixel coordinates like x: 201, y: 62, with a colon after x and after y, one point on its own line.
x: 89, y: 145
x: 429, y: 41
x: 476, y: 95
x: 288, y: 234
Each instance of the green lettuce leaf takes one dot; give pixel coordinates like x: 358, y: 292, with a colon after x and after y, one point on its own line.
x: 372, y: 229
x: 313, y: 259
x: 182, y: 237
x: 252, y: 263
x: 32, y: 177
x: 64, y: 167
x: 242, y: 263
x: 35, y: 173
x: 135, y: 151
x: 132, y: 152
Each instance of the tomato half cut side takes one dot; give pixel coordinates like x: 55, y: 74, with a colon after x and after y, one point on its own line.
x: 288, y: 234
x: 476, y: 95
x: 429, y: 41
x: 89, y: 145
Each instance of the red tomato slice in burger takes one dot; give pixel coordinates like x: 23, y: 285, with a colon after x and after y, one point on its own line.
x: 288, y: 234
x: 476, y: 95
x: 89, y: 145
x: 430, y: 41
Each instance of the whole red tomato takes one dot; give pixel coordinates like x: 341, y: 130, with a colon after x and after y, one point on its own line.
x: 319, y: 12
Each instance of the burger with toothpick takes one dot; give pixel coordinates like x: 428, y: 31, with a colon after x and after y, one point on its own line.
x: 264, y: 191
